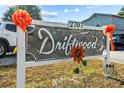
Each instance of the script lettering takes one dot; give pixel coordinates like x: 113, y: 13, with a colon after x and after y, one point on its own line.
x: 66, y: 45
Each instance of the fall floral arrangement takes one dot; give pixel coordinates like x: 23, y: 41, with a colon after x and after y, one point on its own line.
x: 110, y: 29
x: 22, y: 19
x: 77, y: 53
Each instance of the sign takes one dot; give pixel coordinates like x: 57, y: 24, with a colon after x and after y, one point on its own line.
x: 54, y: 41
x: 50, y: 41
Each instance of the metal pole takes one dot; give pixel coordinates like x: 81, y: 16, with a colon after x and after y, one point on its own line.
x: 20, y: 59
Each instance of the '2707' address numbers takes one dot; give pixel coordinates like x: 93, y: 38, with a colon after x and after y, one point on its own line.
x: 75, y: 24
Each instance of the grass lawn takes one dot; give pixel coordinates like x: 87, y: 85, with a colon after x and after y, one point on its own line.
x: 62, y: 75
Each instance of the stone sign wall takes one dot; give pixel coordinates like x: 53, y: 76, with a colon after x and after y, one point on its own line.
x: 49, y: 42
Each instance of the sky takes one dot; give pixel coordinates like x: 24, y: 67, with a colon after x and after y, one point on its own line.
x: 64, y: 13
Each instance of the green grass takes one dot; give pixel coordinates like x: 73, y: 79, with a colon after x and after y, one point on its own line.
x: 61, y: 75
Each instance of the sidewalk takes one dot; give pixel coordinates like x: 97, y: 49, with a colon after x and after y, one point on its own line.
x: 115, y: 56
x: 8, y: 59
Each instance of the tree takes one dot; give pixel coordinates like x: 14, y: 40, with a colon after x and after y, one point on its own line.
x: 33, y: 10
x: 121, y: 12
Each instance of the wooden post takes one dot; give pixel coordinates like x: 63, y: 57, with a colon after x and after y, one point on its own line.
x: 20, y: 72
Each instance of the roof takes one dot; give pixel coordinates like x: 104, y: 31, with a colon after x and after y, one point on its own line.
x: 113, y: 15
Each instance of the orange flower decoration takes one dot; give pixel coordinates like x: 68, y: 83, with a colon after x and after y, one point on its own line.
x: 77, y: 53
x: 110, y: 29
x: 22, y: 19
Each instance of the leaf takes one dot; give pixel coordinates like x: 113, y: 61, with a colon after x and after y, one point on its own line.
x: 84, y: 62
x: 76, y: 70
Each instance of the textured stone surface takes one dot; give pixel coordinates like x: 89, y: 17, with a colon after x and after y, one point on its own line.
x: 59, y: 34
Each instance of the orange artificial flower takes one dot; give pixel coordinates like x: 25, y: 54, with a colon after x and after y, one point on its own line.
x: 110, y: 29
x: 22, y: 19
x: 77, y: 53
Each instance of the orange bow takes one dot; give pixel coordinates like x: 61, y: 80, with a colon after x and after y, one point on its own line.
x: 22, y: 19
x: 110, y: 29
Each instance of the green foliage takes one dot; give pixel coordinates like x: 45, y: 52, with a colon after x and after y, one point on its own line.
x: 33, y: 10
x: 84, y: 62
x: 121, y: 12
x: 76, y: 70
x: 80, y: 68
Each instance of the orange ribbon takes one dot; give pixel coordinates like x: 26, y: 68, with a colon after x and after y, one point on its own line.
x: 22, y: 19
x: 110, y: 29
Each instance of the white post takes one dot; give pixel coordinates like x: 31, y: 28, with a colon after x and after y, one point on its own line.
x: 108, y: 48
x: 20, y: 73
x: 106, y: 55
